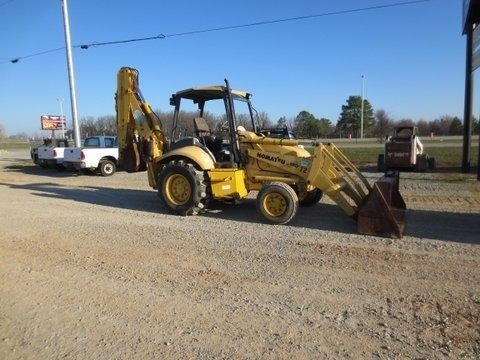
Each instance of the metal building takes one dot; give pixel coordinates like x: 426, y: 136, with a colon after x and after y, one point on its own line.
x: 471, y: 28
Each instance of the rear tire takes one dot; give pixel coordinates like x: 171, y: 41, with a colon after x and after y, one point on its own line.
x: 107, y: 168
x: 182, y: 188
x: 421, y: 164
x: 277, y: 202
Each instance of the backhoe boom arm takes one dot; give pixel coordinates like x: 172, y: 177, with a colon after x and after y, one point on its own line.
x: 140, y: 136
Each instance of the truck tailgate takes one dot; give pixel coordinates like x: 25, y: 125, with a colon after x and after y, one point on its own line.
x: 72, y: 154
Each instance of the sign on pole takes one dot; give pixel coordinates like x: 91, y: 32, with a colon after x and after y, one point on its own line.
x: 53, y: 122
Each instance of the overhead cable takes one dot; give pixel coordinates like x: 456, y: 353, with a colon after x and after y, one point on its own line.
x: 222, y: 28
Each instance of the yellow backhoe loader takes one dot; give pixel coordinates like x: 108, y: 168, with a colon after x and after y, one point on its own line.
x: 190, y: 171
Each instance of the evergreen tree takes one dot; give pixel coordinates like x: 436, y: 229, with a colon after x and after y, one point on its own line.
x: 350, y: 117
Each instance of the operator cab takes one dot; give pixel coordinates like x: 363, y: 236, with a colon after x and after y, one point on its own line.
x: 219, y: 144
x: 221, y: 140
x: 279, y: 133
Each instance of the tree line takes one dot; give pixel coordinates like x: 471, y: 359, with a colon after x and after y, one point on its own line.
x: 376, y: 124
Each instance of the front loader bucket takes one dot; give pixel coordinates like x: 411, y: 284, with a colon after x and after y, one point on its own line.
x: 383, y: 213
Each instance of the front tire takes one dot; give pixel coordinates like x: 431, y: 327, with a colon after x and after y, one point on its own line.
x: 182, y: 188
x: 277, y: 202
x: 107, y: 168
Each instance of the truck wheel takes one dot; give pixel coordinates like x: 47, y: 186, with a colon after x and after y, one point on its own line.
x: 309, y: 198
x: 277, y: 202
x: 107, y: 168
x: 182, y: 188
x: 432, y: 165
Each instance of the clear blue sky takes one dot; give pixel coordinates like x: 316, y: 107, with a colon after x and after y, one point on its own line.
x: 413, y: 56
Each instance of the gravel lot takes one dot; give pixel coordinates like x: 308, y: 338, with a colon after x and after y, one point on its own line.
x: 92, y: 268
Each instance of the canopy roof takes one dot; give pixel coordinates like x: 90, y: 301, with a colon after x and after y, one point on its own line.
x: 206, y: 93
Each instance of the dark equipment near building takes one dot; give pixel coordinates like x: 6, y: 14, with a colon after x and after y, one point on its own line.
x: 404, y: 151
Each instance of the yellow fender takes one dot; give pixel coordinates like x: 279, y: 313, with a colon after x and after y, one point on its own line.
x: 194, y: 153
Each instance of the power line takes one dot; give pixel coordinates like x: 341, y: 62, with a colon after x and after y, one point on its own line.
x: 86, y: 46
x: 297, y: 18
x: 13, y: 61
x: 222, y: 28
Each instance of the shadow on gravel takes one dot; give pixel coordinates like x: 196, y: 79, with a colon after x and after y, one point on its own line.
x: 443, y: 225
x: 139, y: 200
x: 320, y: 216
x: 436, y: 225
x: 31, y: 169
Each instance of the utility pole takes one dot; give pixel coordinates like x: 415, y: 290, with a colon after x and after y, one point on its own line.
x: 468, y: 105
x: 60, y: 101
x: 361, y: 107
x: 71, y: 77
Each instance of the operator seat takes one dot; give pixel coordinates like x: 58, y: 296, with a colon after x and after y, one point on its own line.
x: 203, y: 133
x: 201, y: 127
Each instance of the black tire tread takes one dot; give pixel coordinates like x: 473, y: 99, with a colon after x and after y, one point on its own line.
x: 196, y: 204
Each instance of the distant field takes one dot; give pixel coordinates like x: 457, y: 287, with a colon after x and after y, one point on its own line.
x: 446, y: 150
x: 444, y: 156
x: 14, y: 144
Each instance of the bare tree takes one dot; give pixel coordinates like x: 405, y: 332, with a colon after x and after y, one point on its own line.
x: 106, y: 125
x: 87, y: 126
x: 405, y: 122
x: 282, y: 122
x: 3, y: 133
x: 445, y: 124
x: 103, y: 125
x: 263, y: 120
x: 422, y: 127
x: 383, y: 125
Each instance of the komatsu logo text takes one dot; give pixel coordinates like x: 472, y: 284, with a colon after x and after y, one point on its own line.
x: 300, y: 166
x: 270, y: 158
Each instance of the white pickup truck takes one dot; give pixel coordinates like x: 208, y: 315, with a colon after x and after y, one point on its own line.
x: 98, y: 154
x: 50, y: 154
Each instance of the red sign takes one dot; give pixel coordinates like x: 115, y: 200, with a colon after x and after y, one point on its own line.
x: 53, y: 122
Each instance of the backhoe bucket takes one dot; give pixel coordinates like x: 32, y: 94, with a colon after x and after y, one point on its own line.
x: 383, y: 213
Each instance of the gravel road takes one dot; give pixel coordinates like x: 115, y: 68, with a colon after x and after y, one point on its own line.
x: 93, y: 268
